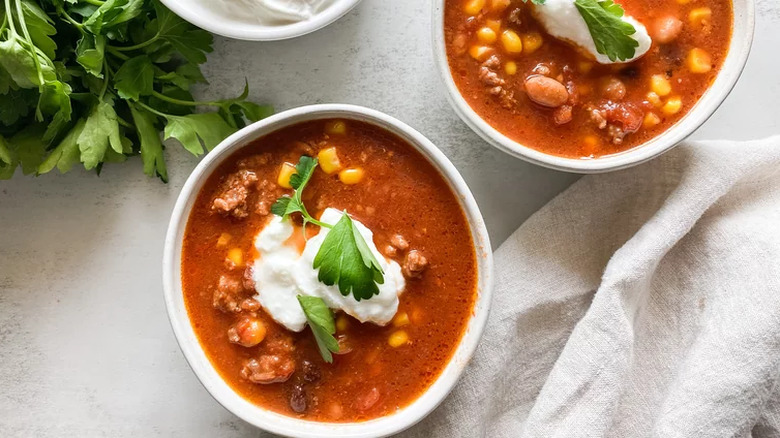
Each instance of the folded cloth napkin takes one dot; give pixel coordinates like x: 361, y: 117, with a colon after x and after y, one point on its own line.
x: 640, y: 303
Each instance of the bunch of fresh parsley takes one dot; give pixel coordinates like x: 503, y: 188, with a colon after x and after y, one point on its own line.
x: 344, y: 258
x: 94, y: 81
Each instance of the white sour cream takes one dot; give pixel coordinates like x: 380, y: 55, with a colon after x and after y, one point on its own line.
x: 562, y: 19
x: 271, y: 12
x: 281, y: 273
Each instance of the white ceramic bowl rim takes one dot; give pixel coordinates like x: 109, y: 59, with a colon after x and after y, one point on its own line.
x: 201, y: 366
x: 734, y: 64
x: 210, y: 20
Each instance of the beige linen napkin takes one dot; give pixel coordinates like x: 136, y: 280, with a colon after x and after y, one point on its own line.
x: 640, y: 303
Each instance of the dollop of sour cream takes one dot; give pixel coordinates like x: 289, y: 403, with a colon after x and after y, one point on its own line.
x: 271, y: 12
x: 281, y: 273
x: 562, y: 19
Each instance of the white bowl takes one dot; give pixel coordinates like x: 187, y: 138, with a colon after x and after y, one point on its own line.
x: 741, y: 40
x: 211, y: 20
x: 281, y: 424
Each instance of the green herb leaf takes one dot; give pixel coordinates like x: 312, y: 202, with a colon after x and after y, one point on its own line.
x: 135, y: 78
x: 285, y: 206
x: 90, y: 51
x: 322, y: 325
x: 191, y: 42
x: 345, y: 258
x: 66, y: 154
x: 8, y: 160
x: 610, y: 33
x: 151, y: 146
x: 100, y: 130
x: 40, y: 27
x: 196, y: 131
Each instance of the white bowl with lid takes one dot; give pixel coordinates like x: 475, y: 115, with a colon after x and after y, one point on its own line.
x: 188, y: 341
x: 208, y: 15
x: 733, y: 65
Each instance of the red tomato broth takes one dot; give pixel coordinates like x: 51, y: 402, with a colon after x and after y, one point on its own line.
x: 401, y: 193
x: 533, y: 125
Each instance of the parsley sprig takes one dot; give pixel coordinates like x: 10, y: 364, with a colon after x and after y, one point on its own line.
x: 322, y: 325
x: 344, y: 257
x: 610, y: 33
x: 94, y: 81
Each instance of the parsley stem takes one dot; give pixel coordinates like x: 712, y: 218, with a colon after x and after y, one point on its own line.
x: 94, y: 2
x: 152, y: 110
x: 105, y: 79
x: 11, y: 21
x: 112, y: 50
x: 184, y: 102
x: 137, y: 46
x: 5, y: 23
x: 68, y: 18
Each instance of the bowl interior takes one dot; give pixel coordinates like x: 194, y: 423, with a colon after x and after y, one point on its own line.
x: 210, y: 19
x: 739, y: 49
x: 187, y: 339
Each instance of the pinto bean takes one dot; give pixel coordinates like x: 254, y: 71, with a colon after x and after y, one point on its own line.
x: 546, y: 91
x: 666, y: 29
x: 613, y: 89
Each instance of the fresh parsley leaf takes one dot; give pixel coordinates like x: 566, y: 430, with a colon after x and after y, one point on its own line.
x: 191, y: 42
x: 40, y: 27
x: 610, y: 33
x: 29, y: 147
x: 151, y: 146
x: 285, y: 206
x: 8, y: 160
x: 196, y: 131
x: 90, y: 51
x: 66, y: 154
x: 135, y: 78
x: 322, y: 325
x: 100, y: 130
x: 345, y: 258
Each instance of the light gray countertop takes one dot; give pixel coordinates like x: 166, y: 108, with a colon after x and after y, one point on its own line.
x: 85, y: 345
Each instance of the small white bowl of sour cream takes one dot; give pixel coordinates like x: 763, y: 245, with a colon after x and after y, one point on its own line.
x: 261, y: 20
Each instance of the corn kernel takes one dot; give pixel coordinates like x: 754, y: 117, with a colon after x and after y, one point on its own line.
x: 672, y: 106
x: 398, y: 339
x: 499, y: 5
x: 329, y: 160
x: 699, y: 61
x: 700, y: 17
x: 660, y: 85
x: 510, y: 68
x: 531, y: 41
x: 493, y: 24
x: 336, y: 127
x: 342, y: 323
x: 584, y: 67
x: 654, y: 99
x: 223, y: 239
x: 651, y: 119
x: 236, y: 256
x: 401, y: 319
x: 353, y: 175
x: 511, y: 41
x: 480, y: 53
x: 486, y: 35
x: 474, y: 7
x: 287, y: 171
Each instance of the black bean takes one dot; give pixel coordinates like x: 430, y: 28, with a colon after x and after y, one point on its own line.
x: 311, y: 372
x: 298, y: 399
x: 630, y: 72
